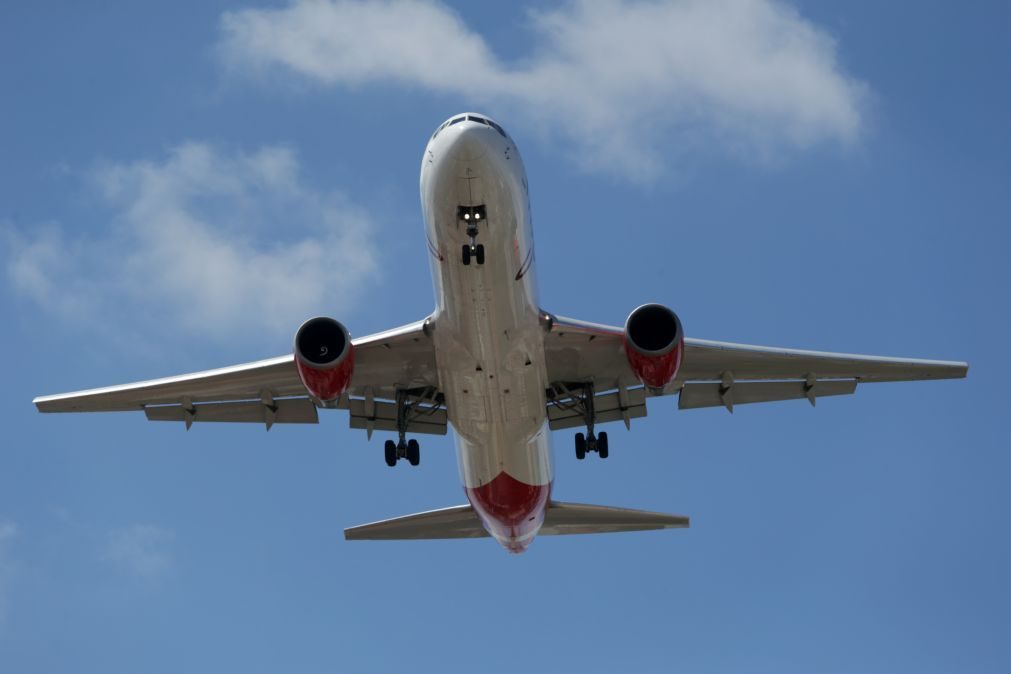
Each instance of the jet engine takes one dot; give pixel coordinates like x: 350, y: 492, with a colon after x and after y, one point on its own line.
x: 654, y: 344
x: 325, y: 357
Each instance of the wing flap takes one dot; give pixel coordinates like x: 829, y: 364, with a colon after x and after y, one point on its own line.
x: 289, y: 411
x: 694, y: 396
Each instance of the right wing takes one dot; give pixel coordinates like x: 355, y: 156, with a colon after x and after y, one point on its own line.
x: 270, y: 391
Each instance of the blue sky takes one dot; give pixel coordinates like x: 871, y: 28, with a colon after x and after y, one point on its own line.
x: 181, y: 184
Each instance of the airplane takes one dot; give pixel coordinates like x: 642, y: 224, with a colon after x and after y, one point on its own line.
x: 494, y: 365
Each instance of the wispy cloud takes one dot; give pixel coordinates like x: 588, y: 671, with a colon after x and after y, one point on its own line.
x: 7, y: 533
x: 142, y: 550
x: 201, y: 242
x: 626, y: 83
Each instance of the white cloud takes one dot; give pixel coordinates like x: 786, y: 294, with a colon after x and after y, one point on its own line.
x: 141, y: 549
x: 203, y: 242
x: 7, y: 533
x: 626, y: 83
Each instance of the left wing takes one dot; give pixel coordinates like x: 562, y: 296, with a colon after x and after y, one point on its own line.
x: 712, y: 373
x: 270, y: 391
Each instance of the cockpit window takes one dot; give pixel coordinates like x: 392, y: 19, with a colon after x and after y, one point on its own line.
x: 497, y: 128
x: 473, y: 118
x: 482, y: 120
x: 441, y: 127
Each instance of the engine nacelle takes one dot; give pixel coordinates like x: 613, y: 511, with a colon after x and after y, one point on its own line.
x: 654, y: 344
x: 325, y: 357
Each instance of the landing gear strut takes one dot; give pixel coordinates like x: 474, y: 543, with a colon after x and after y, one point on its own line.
x: 411, y: 404
x: 579, y: 398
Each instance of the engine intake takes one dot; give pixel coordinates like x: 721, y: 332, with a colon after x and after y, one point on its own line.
x: 654, y: 344
x: 324, y: 357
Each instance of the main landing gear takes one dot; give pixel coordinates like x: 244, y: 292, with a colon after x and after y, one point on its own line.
x: 593, y: 443
x: 590, y: 442
x: 412, y: 405
x: 578, y: 399
x: 409, y: 450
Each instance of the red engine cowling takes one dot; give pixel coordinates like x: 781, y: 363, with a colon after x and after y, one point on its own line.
x: 654, y: 344
x: 325, y: 357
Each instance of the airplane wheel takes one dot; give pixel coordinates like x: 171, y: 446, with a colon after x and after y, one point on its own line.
x: 466, y: 254
x: 480, y: 253
x: 602, y: 445
x: 413, y: 452
x: 391, y: 453
x: 580, y: 446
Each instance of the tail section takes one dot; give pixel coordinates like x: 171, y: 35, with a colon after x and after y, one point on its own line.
x: 560, y: 519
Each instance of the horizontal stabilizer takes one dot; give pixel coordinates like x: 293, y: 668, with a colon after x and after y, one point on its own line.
x: 560, y: 519
x: 455, y: 522
x: 580, y: 518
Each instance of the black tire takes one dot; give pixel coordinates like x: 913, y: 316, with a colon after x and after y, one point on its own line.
x: 580, y: 446
x: 602, y: 445
x: 466, y: 254
x: 480, y: 253
x: 413, y: 452
x: 391, y: 453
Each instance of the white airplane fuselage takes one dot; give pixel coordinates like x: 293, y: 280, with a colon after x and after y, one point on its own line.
x: 487, y: 325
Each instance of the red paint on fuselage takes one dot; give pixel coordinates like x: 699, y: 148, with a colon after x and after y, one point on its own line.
x: 511, y: 511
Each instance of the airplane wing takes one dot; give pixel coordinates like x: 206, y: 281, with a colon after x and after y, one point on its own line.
x: 712, y: 373
x: 270, y: 391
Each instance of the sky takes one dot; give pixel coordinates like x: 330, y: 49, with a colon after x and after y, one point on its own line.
x: 181, y: 184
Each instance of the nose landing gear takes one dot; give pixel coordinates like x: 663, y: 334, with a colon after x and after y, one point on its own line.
x: 472, y: 216
x: 472, y: 250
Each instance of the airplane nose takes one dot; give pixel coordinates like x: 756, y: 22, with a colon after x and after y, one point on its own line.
x: 469, y: 144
